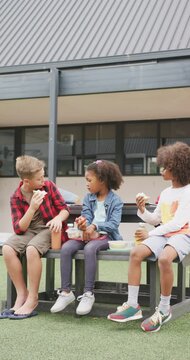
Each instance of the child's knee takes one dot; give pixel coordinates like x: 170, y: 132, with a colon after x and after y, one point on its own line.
x: 164, y: 261
x: 136, y: 254
x: 8, y: 251
x: 66, y: 251
x: 89, y: 251
x: 31, y: 251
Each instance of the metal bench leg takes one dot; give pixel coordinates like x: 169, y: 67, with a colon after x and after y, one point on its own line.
x: 154, y: 276
x: 50, y: 276
x: 181, y: 282
x: 79, y: 277
x: 11, y: 293
x: 183, y: 304
x: 24, y: 268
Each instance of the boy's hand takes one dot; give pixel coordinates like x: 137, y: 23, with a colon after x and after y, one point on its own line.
x: 36, y: 200
x: 55, y: 224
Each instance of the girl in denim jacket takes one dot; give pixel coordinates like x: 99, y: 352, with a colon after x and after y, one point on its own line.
x: 99, y: 221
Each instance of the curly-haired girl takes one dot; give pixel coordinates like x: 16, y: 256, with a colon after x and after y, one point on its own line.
x: 170, y: 239
x: 99, y: 220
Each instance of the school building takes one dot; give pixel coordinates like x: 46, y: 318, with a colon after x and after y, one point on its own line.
x: 82, y: 80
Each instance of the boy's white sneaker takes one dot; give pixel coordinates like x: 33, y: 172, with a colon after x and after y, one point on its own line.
x: 86, y: 302
x: 62, y: 301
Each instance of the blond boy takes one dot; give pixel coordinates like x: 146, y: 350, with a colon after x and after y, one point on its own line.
x: 34, y: 215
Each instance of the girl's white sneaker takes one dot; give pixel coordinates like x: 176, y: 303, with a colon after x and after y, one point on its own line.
x: 62, y: 301
x: 86, y: 302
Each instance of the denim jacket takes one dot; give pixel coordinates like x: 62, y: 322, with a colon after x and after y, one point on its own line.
x: 113, y: 207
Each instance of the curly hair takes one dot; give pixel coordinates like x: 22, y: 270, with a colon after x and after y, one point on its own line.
x: 27, y: 166
x: 176, y: 158
x: 108, y: 172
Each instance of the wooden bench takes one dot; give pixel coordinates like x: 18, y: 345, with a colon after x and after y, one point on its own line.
x: 109, y: 292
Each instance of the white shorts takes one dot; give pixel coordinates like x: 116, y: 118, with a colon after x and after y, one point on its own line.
x: 180, y: 242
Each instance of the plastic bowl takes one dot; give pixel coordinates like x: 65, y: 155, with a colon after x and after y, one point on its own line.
x: 74, y: 233
x: 119, y: 244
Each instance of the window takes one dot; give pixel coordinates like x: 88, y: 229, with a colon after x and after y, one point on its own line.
x: 35, y: 142
x: 133, y: 145
x: 7, y: 152
x: 69, y: 150
x: 140, y: 145
x: 99, y: 142
x: 175, y: 130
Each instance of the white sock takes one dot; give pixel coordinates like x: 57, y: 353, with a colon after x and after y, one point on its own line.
x: 133, y: 292
x: 164, y: 305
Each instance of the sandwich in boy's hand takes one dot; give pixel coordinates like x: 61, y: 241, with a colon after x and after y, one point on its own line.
x: 42, y: 192
x: 146, y: 198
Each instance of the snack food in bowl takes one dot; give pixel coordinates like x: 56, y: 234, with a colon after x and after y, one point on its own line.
x: 74, y: 233
x: 118, y: 245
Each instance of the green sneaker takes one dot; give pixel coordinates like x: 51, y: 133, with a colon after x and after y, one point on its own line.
x: 126, y: 313
x: 154, y: 323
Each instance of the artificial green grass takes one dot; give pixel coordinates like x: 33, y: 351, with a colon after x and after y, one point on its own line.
x: 58, y: 336
x: 64, y: 336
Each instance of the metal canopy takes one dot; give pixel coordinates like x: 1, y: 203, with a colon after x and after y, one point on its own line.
x: 121, y: 76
